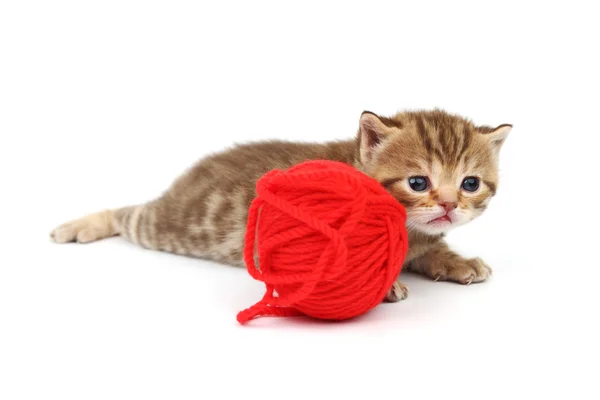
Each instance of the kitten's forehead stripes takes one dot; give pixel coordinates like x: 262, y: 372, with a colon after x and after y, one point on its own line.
x: 467, y: 138
x: 446, y: 138
x: 425, y: 139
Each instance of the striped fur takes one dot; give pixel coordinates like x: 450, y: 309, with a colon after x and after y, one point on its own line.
x: 203, y: 213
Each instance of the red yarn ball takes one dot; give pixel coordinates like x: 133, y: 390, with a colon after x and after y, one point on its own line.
x: 327, y: 240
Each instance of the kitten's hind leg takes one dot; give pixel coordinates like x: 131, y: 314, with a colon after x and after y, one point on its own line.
x: 99, y: 226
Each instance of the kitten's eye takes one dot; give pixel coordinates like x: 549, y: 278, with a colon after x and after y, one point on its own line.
x: 470, y: 184
x: 418, y: 183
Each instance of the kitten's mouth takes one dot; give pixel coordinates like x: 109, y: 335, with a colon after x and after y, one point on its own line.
x: 441, y: 220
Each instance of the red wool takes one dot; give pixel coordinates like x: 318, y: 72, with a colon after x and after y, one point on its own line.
x: 327, y: 240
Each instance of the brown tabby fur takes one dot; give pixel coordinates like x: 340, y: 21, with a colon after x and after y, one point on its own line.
x: 203, y: 213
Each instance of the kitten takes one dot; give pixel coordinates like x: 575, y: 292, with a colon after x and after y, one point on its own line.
x: 441, y: 167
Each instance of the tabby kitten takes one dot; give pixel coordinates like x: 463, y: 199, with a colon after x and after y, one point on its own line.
x: 441, y: 167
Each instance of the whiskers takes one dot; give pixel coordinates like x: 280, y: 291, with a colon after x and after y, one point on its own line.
x: 411, y: 224
x: 417, y: 219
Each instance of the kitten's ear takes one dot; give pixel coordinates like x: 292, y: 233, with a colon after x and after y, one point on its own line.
x: 498, y: 135
x: 371, y: 134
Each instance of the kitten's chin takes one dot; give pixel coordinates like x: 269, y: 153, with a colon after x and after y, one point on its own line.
x: 432, y: 229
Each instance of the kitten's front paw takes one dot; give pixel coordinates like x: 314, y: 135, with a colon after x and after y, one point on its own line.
x: 461, y: 270
x: 399, y: 291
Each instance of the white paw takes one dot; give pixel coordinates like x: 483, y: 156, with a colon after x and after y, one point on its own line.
x: 464, y: 271
x: 84, y: 230
x: 399, y: 291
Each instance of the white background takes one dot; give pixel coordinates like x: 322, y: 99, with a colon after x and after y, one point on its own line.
x: 103, y: 104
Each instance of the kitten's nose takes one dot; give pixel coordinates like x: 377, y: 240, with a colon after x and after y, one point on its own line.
x: 448, y: 205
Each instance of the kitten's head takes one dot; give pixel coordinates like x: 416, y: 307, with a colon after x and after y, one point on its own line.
x: 441, y: 167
